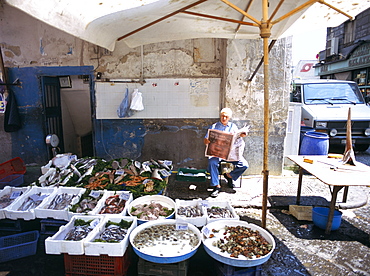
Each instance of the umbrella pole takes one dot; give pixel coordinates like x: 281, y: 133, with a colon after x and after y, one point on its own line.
x: 265, y: 131
x: 265, y: 33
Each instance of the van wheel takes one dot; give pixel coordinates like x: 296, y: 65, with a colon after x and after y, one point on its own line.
x: 361, y: 147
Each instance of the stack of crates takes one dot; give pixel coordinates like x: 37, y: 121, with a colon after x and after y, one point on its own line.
x: 83, y: 265
x: 228, y: 270
x: 146, y: 268
x: 48, y: 227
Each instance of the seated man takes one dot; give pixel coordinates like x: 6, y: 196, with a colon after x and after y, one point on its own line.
x: 213, y: 162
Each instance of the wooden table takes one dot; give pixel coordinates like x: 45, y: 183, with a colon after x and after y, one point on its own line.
x: 332, y: 173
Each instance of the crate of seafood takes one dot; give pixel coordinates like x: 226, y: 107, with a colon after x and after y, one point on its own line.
x: 71, y: 237
x: 112, y: 237
x: 191, y: 211
x: 113, y: 202
x: 56, y: 205
x: 24, y: 207
x: 219, y: 210
x: 8, y: 196
x: 152, y: 207
x: 85, y: 202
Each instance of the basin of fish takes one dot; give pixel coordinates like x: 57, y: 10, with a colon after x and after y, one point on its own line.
x: 152, y: 207
x: 165, y: 241
x: 237, y: 243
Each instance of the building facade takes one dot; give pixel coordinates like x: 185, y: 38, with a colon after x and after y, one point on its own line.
x: 347, y: 53
x: 66, y: 85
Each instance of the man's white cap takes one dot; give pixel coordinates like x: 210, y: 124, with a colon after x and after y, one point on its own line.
x: 227, y: 111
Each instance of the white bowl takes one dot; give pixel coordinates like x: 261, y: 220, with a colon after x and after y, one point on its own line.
x: 165, y: 253
x: 224, y: 257
x: 163, y: 200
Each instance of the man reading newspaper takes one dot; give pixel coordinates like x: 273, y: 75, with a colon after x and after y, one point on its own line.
x: 224, y: 142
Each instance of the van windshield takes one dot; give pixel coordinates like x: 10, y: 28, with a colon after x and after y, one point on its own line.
x: 332, y: 93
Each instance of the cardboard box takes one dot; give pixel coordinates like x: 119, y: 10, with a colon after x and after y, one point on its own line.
x: 301, y: 212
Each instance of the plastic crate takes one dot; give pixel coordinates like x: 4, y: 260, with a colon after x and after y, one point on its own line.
x: 301, y: 212
x: 189, y: 177
x: 12, y: 180
x: 228, y: 270
x: 10, y: 225
x: 12, y: 166
x: 76, y: 265
x: 51, y: 226
x: 148, y: 268
x: 18, y: 246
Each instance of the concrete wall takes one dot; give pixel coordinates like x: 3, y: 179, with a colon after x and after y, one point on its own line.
x: 27, y: 42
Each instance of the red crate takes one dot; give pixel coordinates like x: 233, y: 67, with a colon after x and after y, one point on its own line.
x: 12, y: 166
x: 103, y: 265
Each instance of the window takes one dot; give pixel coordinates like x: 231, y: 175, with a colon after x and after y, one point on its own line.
x: 349, y: 32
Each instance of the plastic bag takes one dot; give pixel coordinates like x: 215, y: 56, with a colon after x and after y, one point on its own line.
x: 137, y: 101
x: 124, y: 108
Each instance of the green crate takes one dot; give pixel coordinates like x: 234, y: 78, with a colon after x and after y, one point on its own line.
x: 191, y: 178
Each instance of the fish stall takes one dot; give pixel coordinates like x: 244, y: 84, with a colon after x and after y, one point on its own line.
x: 114, y: 211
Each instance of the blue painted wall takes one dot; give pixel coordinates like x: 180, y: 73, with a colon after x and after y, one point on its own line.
x: 119, y: 138
x: 179, y: 140
x: 29, y: 142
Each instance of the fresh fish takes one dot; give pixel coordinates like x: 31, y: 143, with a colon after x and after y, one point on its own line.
x: 61, y: 201
x: 219, y: 212
x: 88, y: 172
x: 189, y: 211
x: 75, y: 171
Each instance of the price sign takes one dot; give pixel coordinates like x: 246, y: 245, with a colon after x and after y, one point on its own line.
x: 95, y: 222
x: 204, y: 203
x: 182, y: 226
x: 206, y: 232
x: 125, y: 196
x: 94, y: 194
x: 15, y: 194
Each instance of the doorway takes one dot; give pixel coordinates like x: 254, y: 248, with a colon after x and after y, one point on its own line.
x: 67, y: 111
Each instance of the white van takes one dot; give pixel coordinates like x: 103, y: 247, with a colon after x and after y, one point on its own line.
x: 325, y: 105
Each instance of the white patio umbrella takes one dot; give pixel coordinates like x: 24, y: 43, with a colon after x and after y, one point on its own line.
x: 140, y: 22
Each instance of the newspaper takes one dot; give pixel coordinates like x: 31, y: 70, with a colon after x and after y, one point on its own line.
x: 227, y: 146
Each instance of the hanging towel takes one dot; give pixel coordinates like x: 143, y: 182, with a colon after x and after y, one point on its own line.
x: 123, y: 110
x: 12, y: 120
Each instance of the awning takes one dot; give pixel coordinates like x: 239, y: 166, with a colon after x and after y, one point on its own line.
x: 140, y: 22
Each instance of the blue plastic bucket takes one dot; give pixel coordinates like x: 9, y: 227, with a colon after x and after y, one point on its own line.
x: 314, y: 143
x: 320, y: 218
x: 304, y: 130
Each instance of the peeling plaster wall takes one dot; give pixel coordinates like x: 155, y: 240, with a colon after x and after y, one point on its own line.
x: 247, y: 98
x: 27, y: 42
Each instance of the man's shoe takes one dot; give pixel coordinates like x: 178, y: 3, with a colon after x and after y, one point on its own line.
x: 229, y: 181
x: 215, y: 192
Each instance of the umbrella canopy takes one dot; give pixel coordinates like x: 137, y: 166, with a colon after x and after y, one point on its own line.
x: 140, y: 22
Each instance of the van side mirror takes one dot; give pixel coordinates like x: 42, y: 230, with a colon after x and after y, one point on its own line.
x: 296, y: 96
x: 367, y: 99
